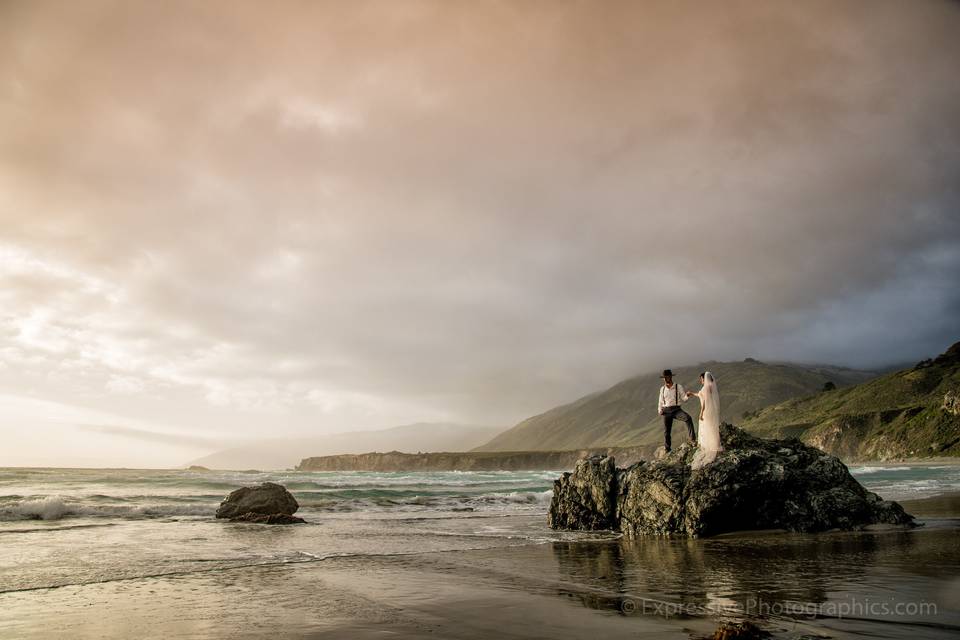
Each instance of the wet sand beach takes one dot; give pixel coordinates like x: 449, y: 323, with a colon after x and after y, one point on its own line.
x: 790, y: 584
x: 946, y: 505
x: 92, y: 554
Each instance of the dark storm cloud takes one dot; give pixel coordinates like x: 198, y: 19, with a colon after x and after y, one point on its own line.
x: 368, y: 213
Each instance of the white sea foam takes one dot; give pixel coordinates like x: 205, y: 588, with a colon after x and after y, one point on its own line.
x: 56, y: 508
x: 520, y: 497
x: 861, y: 471
x: 48, y: 508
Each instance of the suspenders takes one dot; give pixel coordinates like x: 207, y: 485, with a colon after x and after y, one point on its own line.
x: 676, y: 394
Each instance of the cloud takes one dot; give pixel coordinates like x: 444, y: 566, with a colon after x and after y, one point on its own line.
x: 124, y: 384
x: 173, y: 439
x: 327, y: 216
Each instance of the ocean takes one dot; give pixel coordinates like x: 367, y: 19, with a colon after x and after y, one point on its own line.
x: 69, y: 536
x: 152, y: 522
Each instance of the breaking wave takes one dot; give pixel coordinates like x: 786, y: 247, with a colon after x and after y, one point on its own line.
x: 353, y: 499
x: 57, y: 494
x: 381, y: 500
x: 57, y: 508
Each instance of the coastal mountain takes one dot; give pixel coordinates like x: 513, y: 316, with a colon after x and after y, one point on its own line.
x: 906, y: 414
x: 284, y: 453
x: 626, y: 414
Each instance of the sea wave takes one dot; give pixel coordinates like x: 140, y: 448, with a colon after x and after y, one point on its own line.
x: 380, y: 499
x: 862, y: 471
x: 47, y: 529
x: 415, y: 483
x: 407, y: 499
x: 57, y: 508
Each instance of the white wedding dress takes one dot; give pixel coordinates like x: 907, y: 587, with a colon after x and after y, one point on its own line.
x: 708, y: 432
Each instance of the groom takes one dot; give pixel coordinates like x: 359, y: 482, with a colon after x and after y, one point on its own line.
x: 671, y: 396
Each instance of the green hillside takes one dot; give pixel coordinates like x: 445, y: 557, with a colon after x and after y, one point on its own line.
x: 909, y: 413
x: 626, y: 413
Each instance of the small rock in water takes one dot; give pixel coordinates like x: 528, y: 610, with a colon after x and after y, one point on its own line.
x: 273, y: 518
x: 738, y: 631
x: 268, y: 499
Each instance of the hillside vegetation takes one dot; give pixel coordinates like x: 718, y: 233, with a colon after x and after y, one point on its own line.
x: 909, y: 413
x: 626, y: 413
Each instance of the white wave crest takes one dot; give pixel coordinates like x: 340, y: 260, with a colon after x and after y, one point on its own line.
x: 56, y: 508
x: 517, y: 497
x: 862, y: 471
x: 48, y: 508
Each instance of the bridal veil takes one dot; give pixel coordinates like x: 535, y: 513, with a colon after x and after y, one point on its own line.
x: 708, y: 438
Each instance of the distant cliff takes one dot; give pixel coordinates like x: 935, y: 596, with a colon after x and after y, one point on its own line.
x: 282, y: 453
x: 467, y: 461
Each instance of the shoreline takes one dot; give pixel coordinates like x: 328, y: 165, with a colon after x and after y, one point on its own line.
x: 915, y: 462
x: 943, y: 505
x: 649, y: 588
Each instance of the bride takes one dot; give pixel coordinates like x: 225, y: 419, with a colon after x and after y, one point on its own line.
x: 708, y: 437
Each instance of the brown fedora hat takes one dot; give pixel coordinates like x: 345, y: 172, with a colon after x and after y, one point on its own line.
x: 667, y: 373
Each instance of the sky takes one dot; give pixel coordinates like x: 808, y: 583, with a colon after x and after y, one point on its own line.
x: 221, y: 221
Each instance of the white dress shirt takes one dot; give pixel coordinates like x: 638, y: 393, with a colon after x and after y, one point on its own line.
x: 673, y: 397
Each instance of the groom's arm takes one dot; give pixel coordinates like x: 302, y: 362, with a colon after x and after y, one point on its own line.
x: 660, y: 402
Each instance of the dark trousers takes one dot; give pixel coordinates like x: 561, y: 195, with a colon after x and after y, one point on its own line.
x: 676, y: 413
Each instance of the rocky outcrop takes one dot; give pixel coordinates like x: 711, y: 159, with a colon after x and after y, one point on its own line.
x: 753, y: 484
x: 951, y: 403
x: 586, y: 500
x: 267, y: 503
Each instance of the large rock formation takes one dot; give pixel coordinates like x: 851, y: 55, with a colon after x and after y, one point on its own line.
x: 267, y: 503
x: 587, y: 496
x: 753, y: 484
